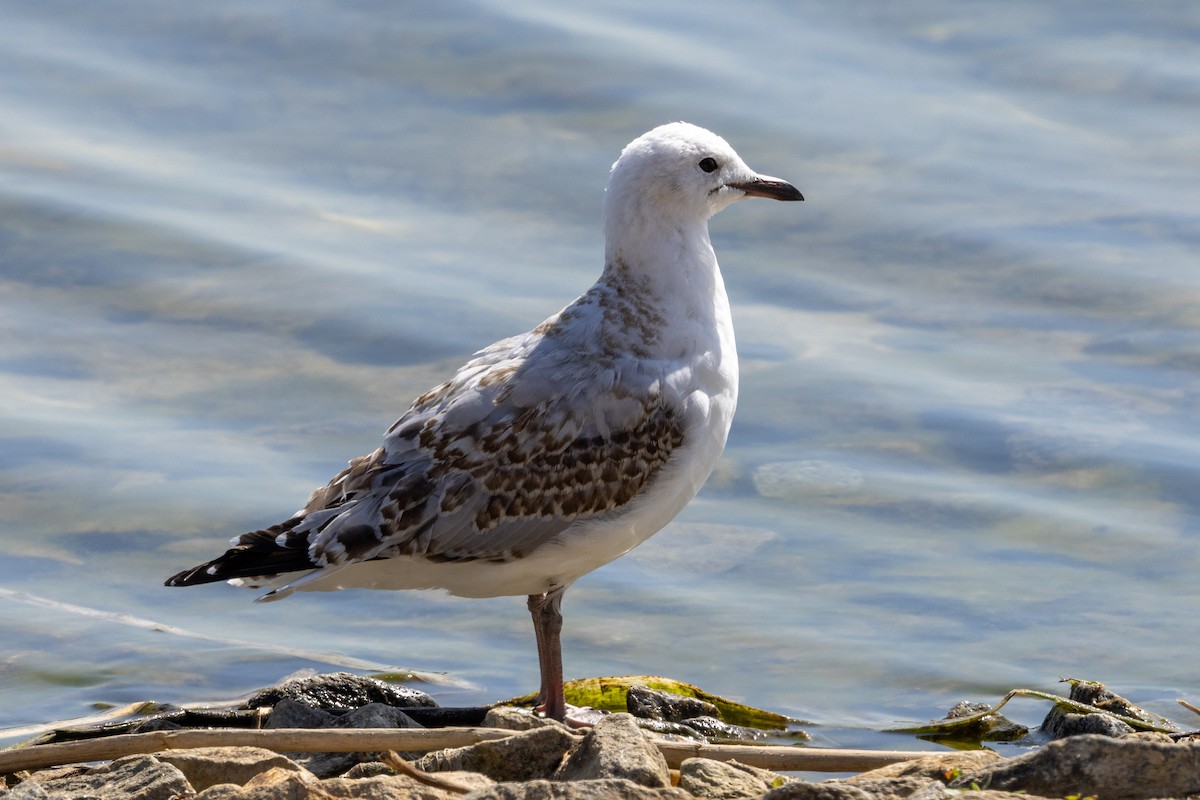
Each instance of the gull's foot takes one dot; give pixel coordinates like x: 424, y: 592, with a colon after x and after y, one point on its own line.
x: 576, y: 717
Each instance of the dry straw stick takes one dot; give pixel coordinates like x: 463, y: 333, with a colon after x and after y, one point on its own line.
x: 297, y: 740
x: 786, y: 759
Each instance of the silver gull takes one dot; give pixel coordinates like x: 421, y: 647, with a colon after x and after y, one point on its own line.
x: 556, y: 451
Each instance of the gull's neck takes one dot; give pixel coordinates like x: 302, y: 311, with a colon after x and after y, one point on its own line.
x: 670, y: 261
x: 663, y: 281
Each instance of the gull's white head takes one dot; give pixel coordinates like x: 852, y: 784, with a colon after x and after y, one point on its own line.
x: 681, y: 173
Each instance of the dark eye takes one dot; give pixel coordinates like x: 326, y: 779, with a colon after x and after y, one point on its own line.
x: 709, y: 164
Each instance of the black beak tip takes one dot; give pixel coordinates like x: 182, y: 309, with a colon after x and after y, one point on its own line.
x: 786, y: 191
x: 771, y: 188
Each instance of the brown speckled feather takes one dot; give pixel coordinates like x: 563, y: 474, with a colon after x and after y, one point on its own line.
x: 527, y: 439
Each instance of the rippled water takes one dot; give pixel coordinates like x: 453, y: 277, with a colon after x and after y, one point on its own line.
x: 237, y: 240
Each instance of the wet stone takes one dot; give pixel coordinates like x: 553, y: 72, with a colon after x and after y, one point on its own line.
x: 991, y: 727
x: 663, y: 728
x: 1060, y: 723
x: 714, y: 729
x: 652, y: 704
x: 340, y: 691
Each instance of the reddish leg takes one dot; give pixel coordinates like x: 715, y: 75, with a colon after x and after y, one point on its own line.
x: 546, y: 610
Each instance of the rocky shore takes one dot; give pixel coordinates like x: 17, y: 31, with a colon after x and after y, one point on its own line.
x: 523, y: 757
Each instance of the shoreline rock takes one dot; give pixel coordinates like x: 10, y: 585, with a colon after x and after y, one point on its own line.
x: 616, y: 758
x: 615, y: 765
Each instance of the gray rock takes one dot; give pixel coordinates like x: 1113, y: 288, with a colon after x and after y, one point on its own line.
x: 380, y: 787
x: 368, y: 769
x: 1100, y: 696
x: 616, y: 748
x: 524, y: 756
x: 881, y: 789
x: 140, y: 776
x: 803, y: 790
x: 27, y: 790
x: 938, y: 791
x: 942, y: 767
x: 647, y: 703
x: 340, y: 691
x: 402, y: 787
x: 289, y: 713
x: 990, y: 727
x: 517, y: 719
x: 888, y: 788
x: 207, y: 766
x: 715, y: 729
x: 664, y: 728
x: 1115, y: 769
x: 603, y: 789
x: 157, y: 725
x: 1060, y: 724
x: 270, y: 785
x: 372, y: 715
x: 721, y: 780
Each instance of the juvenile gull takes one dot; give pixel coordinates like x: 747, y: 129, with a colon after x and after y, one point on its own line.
x: 550, y: 453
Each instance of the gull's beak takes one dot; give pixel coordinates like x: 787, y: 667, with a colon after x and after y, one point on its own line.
x: 766, y: 186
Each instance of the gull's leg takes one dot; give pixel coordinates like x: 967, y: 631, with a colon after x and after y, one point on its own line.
x: 534, y: 605
x: 546, y: 610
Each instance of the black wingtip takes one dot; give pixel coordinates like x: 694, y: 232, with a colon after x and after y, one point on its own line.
x: 205, y: 573
x: 257, y: 556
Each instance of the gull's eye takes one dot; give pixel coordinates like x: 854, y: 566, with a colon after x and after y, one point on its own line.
x: 709, y: 164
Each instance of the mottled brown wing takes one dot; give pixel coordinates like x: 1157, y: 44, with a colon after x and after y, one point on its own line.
x: 475, y: 470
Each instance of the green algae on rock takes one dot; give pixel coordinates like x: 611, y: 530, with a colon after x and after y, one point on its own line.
x: 609, y: 694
